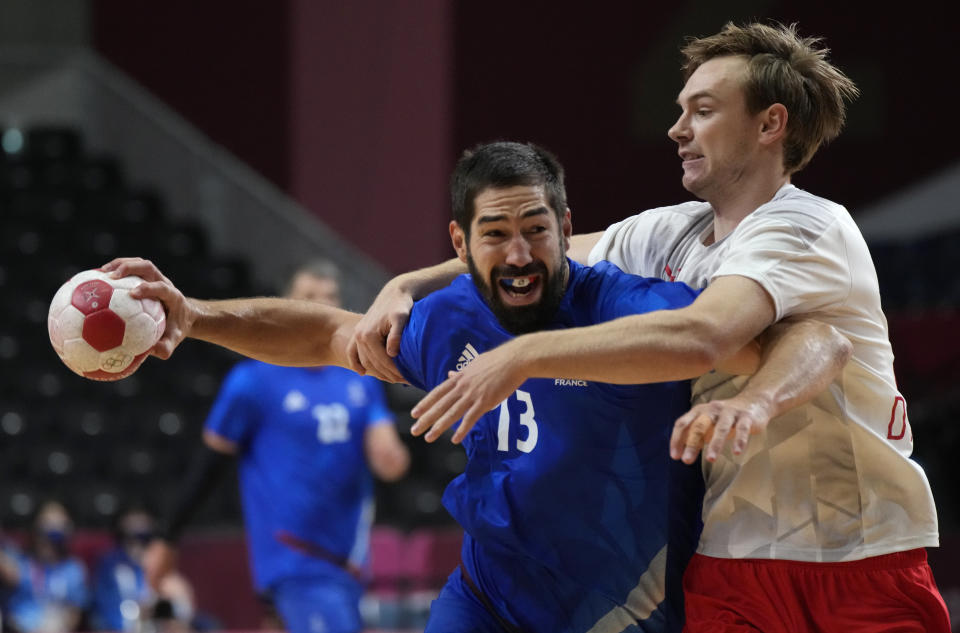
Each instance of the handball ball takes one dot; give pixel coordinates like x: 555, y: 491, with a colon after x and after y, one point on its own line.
x: 99, y: 330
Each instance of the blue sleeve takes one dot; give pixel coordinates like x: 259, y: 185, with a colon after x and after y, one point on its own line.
x: 660, y: 295
x: 410, y: 361
x: 236, y: 413
x: 377, y: 409
x: 622, y: 294
x: 78, y: 594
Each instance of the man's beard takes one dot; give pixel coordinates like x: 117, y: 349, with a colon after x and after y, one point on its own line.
x: 523, y: 319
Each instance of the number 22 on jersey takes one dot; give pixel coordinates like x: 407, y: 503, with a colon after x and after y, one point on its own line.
x: 333, y: 423
x: 526, y: 421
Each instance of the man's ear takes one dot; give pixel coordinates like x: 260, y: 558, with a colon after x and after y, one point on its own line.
x: 773, y: 124
x: 459, y: 240
x: 566, y: 229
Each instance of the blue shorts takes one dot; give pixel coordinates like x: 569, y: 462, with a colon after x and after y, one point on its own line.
x: 318, y: 605
x: 458, y: 610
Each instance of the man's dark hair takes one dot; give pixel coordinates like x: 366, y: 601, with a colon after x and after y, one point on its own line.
x: 501, y: 165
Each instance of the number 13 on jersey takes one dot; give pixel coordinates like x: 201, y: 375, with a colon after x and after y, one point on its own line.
x: 526, y: 422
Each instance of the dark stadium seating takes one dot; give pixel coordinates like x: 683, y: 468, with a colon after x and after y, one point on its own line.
x: 100, y: 447
x: 63, y: 210
x: 920, y: 290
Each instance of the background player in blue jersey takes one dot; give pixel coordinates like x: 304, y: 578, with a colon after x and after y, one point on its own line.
x: 307, y: 439
x: 568, y: 495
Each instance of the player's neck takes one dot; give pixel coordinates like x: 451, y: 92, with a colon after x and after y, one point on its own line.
x: 730, y: 209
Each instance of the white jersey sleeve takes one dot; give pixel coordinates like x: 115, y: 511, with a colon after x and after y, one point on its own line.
x: 833, y: 479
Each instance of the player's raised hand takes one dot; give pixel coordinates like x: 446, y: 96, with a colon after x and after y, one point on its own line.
x: 708, y: 426
x: 181, y: 312
x: 479, y: 387
x: 376, y: 338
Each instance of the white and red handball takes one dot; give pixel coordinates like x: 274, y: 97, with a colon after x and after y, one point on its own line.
x: 99, y: 330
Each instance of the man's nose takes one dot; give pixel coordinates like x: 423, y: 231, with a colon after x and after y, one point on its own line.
x: 518, y: 252
x: 679, y: 130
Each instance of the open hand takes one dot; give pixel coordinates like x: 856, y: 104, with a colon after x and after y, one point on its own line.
x: 708, y: 426
x: 483, y: 384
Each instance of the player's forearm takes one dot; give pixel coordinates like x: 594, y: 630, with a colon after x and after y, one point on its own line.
x: 630, y: 350
x: 581, y: 245
x: 391, y: 465
x: 800, y: 360
x: 421, y: 282
x: 275, y: 330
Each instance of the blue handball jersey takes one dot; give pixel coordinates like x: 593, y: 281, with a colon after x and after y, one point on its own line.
x: 306, y: 488
x: 569, y: 497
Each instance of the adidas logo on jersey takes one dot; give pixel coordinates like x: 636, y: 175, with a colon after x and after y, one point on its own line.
x: 469, y: 353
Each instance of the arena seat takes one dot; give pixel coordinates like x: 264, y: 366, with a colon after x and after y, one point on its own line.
x: 18, y: 503
x: 52, y: 142
x: 94, y: 505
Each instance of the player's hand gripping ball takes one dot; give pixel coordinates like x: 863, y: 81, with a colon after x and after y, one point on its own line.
x: 100, y: 331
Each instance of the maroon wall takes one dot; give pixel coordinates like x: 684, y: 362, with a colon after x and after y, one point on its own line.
x: 222, y: 66
x: 598, y: 87
x: 358, y: 109
x: 345, y: 106
x: 371, y: 119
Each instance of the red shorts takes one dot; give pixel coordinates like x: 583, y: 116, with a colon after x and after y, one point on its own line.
x: 891, y: 593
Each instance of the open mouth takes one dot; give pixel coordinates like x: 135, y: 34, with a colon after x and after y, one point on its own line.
x: 520, y: 290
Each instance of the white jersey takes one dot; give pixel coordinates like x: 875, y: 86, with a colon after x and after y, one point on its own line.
x: 831, y: 480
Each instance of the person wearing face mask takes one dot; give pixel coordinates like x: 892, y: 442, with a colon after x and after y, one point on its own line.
x: 122, y: 598
x: 49, y: 589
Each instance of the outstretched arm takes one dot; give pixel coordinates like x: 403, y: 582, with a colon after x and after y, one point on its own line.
x: 273, y: 330
x: 653, y: 347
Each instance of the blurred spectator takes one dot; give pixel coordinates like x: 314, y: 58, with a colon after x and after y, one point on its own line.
x: 9, y: 572
x: 122, y: 598
x: 48, y: 586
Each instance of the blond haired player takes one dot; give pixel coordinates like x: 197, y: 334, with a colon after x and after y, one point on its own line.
x: 821, y: 520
